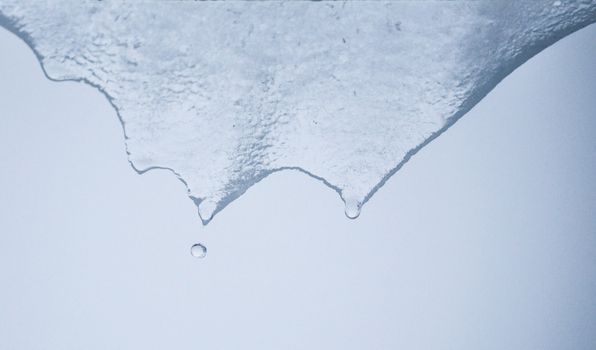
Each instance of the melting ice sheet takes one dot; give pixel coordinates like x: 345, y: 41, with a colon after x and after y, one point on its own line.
x: 225, y: 93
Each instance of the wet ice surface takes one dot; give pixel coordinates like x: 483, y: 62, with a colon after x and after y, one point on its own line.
x: 225, y: 93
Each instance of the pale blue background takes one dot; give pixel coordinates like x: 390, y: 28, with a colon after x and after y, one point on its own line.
x: 486, y: 239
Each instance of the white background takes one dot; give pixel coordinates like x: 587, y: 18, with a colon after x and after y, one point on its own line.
x: 486, y: 239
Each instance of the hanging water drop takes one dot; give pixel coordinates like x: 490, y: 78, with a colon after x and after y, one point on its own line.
x: 198, y: 251
x: 352, y: 208
x: 207, y: 209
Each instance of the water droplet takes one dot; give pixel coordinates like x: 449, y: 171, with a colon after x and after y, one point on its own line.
x: 352, y: 208
x: 198, y: 251
x: 207, y: 209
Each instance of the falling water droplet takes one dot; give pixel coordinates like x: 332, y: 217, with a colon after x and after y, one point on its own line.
x: 198, y: 251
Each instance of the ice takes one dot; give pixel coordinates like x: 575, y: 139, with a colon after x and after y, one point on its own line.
x: 225, y: 93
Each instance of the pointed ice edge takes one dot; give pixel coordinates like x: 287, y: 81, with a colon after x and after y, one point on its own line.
x: 208, y: 208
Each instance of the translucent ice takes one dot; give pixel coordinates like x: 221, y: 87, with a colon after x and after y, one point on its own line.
x: 225, y: 93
